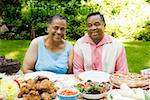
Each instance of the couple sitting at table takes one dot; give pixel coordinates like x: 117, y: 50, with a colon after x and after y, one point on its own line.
x: 94, y: 51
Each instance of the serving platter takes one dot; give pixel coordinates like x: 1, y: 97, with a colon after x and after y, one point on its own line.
x: 52, y: 76
x: 97, y: 76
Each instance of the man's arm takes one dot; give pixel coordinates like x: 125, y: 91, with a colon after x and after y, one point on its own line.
x: 78, y: 61
x: 121, y: 62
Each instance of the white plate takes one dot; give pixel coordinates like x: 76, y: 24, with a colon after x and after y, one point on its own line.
x: 66, y: 80
x: 97, y: 76
x: 94, y: 96
x: 50, y: 75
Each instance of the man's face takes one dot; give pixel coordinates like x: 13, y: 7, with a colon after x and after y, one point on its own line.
x: 95, y: 27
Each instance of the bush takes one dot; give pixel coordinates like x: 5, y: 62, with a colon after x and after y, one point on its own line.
x: 144, y: 33
x: 122, y: 18
x: 24, y: 35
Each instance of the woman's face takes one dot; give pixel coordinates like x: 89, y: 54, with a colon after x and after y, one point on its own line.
x: 95, y: 27
x: 57, y: 29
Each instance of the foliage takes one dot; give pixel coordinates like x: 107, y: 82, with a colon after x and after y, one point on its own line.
x: 144, y: 33
x: 124, y: 18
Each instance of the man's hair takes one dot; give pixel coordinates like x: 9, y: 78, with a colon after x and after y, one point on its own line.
x: 97, y: 13
x: 55, y: 17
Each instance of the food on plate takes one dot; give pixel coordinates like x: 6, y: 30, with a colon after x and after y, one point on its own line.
x: 39, y: 88
x: 126, y: 89
x: 47, y: 96
x: 126, y: 93
x: 140, y: 93
x: 133, y: 80
x: 68, y: 92
x: 90, y: 87
x: 93, y: 90
x: 32, y: 95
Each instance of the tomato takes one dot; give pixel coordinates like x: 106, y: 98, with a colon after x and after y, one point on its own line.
x: 103, y: 90
x: 104, y: 83
x: 81, y: 85
x: 17, y: 83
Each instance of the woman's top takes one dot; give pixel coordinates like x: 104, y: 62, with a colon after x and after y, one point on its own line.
x: 47, y: 60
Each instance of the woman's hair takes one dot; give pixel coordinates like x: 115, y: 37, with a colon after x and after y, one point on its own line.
x: 97, y: 13
x: 57, y: 16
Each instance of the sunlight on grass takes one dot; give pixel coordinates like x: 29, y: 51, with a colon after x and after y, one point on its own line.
x: 12, y: 55
x: 148, y: 63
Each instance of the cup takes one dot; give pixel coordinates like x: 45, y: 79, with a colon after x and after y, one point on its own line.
x: 146, y: 72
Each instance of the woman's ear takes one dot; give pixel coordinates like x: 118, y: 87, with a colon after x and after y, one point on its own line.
x: 48, y: 28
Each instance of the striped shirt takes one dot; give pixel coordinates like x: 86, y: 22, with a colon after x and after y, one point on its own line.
x: 108, y: 55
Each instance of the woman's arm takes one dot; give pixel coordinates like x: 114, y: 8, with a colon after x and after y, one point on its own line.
x: 30, y: 57
x: 70, y: 63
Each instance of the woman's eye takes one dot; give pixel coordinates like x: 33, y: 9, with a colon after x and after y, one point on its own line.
x: 56, y: 27
x: 89, y: 25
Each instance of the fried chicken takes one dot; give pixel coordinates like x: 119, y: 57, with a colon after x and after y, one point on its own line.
x: 33, y: 95
x: 40, y: 88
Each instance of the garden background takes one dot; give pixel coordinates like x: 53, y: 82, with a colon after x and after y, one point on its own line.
x: 128, y: 20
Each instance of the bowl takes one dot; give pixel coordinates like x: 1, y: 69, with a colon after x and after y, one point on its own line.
x: 93, y: 90
x: 68, y: 94
x: 94, y: 96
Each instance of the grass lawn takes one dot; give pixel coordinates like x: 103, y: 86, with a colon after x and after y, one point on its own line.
x: 138, y: 53
x: 14, y: 49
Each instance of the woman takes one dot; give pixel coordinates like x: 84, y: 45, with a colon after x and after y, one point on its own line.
x: 51, y: 52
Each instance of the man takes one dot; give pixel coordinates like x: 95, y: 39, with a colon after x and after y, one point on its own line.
x: 98, y: 51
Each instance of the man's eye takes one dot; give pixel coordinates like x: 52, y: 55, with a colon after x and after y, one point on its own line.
x: 97, y: 24
x: 62, y: 29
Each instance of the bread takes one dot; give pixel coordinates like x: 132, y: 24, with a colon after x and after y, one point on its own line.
x: 133, y: 80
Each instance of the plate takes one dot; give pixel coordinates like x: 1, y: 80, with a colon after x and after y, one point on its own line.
x: 50, y: 75
x: 97, y: 76
x: 114, y: 85
x: 66, y: 80
x: 94, y: 96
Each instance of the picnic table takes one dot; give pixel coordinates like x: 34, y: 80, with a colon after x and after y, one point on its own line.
x: 61, y: 80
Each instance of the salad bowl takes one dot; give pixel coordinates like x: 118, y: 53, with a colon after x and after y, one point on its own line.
x: 94, y: 90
